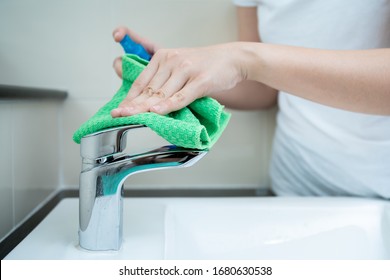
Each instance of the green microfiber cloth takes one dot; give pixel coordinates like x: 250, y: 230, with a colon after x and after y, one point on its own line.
x: 197, y: 126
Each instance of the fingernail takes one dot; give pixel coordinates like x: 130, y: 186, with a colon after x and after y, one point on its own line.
x: 116, y: 34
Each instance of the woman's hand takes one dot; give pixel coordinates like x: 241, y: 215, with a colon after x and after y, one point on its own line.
x: 118, y: 35
x: 176, y: 77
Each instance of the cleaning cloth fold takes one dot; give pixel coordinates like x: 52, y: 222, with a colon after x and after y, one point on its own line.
x: 197, y: 126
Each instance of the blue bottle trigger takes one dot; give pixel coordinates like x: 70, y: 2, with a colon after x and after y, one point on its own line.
x: 131, y: 47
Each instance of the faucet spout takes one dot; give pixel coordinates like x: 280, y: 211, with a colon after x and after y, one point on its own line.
x: 104, y: 170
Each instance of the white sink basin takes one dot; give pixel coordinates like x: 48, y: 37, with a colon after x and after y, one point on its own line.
x: 225, y: 228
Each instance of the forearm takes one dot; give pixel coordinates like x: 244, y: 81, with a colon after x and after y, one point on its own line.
x: 248, y: 95
x: 352, y: 80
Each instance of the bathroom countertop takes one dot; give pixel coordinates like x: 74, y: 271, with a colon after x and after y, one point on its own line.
x: 18, y: 92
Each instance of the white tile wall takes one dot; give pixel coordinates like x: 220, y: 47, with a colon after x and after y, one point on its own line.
x: 30, y: 156
x: 6, y: 161
x: 36, y: 153
x: 68, y: 45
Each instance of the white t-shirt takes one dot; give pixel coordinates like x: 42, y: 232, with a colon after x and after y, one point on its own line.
x: 320, y: 150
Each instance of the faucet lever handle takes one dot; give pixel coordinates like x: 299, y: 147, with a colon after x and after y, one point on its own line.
x: 105, y: 142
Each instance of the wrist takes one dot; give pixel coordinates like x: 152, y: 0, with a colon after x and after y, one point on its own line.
x: 250, y: 60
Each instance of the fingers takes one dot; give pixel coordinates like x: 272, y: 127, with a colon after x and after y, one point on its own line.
x: 188, y: 90
x: 121, y: 31
x: 175, y: 102
x: 157, y: 89
x: 118, y: 66
x: 175, y: 95
x: 170, y: 97
x: 137, y: 100
x: 165, y: 85
x: 143, y: 102
x: 175, y: 78
x: 118, y: 35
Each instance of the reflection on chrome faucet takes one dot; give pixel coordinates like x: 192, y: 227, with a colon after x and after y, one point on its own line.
x: 104, y: 170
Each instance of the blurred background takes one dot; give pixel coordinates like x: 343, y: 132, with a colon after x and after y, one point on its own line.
x: 68, y: 46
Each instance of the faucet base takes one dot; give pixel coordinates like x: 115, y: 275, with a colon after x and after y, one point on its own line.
x: 110, y: 214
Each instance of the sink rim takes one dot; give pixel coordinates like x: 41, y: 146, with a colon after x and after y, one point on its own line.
x: 26, y: 226
x: 217, y: 201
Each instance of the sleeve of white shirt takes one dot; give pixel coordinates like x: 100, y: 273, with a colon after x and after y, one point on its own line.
x: 245, y: 3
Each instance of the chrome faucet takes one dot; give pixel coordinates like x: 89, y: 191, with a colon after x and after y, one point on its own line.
x: 105, y: 167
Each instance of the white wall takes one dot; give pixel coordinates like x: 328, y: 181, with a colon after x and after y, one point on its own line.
x: 68, y: 45
x: 30, y: 156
